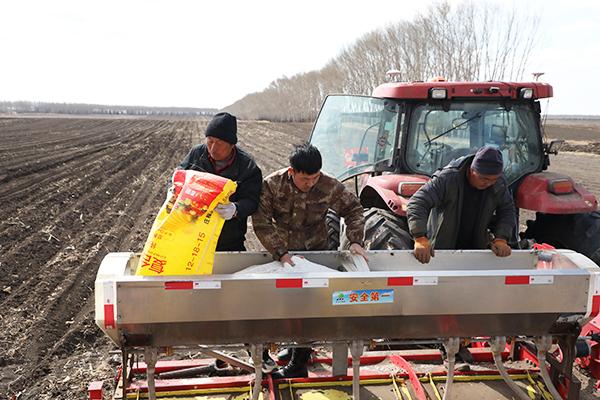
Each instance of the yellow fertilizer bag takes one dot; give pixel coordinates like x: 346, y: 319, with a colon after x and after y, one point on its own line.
x: 184, y: 235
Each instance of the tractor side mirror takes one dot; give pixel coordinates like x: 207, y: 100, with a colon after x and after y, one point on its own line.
x: 554, y: 146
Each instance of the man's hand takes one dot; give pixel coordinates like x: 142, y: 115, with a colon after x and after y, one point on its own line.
x: 357, y: 249
x: 501, y: 248
x: 226, y: 211
x: 423, y: 250
x: 287, y: 259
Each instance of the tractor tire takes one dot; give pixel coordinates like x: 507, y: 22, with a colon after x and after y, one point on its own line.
x: 578, y: 232
x: 385, y: 230
x: 332, y: 220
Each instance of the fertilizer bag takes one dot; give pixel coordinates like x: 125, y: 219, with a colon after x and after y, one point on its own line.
x: 184, y: 235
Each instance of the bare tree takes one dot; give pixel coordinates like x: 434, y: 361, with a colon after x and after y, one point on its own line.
x: 466, y: 42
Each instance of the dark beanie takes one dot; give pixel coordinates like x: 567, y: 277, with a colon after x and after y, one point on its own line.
x: 488, y: 161
x: 223, y: 126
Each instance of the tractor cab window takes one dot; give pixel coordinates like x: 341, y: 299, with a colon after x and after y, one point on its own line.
x: 437, y: 135
x: 355, y: 134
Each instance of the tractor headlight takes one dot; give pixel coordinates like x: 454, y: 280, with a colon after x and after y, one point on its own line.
x: 437, y: 93
x: 526, y: 93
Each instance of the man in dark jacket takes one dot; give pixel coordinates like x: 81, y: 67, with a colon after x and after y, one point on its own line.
x: 221, y: 156
x: 461, y: 202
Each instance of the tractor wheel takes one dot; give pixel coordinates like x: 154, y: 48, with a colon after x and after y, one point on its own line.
x: 332, y: 220
x: 578, y: 232
x: 385, y: 230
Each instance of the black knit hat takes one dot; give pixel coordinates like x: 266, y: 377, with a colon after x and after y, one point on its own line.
x: 223, y: 126
x: 488, y: 161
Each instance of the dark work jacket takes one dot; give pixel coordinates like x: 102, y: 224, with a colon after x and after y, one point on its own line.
x: 248, y: 177
x: 435, y: 210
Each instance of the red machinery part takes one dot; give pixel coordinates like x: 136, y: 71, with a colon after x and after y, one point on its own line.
x: 95, y: 391
x: 414, y: 379
x: 533, y: 194
x: 481, y: 354
x: 385, y: 187
x: 592, y: 361
x: 421, y: 90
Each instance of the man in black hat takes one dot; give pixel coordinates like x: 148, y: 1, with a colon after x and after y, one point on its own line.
x: 465, y: 205
x: 221, y: 156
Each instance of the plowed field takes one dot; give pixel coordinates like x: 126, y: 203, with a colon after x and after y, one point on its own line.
x: 72, y: 190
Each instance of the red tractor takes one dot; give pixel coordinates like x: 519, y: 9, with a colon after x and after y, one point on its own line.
x: 389, y: 145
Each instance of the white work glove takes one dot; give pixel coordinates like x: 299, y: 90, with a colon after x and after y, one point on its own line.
x: 226, y: 211
x: 170, y: 193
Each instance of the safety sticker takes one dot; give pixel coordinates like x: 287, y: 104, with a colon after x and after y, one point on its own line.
x: 207, y: 284
x: 425, y: 280
x: 298, y: 283
x: 315, y: 283
x: 412, y: 281
x: 109, y: 305
x: 529, y: 280
x: 350, y: 297
x: 189, y: 285
x: 541, y: 279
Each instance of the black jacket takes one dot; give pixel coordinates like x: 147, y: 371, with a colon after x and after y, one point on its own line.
x: 435, y: 210
x: 248, y: 177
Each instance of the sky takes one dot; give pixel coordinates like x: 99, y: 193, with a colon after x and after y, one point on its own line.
x: 202, y: 53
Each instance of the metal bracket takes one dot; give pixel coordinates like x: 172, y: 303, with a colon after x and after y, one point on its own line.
x: 356, y: 349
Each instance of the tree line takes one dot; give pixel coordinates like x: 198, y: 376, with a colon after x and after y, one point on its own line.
x: 465, y: 42
x: 25, y: 107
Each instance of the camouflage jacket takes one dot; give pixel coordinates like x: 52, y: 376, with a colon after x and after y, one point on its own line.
x: 288, y: 219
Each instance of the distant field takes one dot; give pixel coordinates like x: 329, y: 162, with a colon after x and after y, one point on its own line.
x: 587, y: 130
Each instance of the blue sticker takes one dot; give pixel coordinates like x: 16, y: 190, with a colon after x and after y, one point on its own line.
x: 350, y: 297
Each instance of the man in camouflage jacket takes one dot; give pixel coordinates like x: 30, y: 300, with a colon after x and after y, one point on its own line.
x: 293, y: 205
x: 291, y: 216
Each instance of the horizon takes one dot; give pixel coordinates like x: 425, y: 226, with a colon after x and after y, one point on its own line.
x: 207, y: 109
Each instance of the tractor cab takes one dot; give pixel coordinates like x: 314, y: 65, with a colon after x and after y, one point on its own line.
x: 417, y: 128
x: 357, y: 135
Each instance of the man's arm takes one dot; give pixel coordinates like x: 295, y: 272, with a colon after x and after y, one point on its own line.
x: 506, y: 217
x: 420, y: 204
x: 348, y: 206
x: 264, y: 228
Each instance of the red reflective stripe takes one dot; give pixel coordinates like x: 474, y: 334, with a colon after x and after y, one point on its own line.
x: 400, y: 281
x: 517, y: 280
x: 288, y: 283
x: 109, y: 316
x: 95, y: 391
x: 595, y: 306
x: 543, y: 246
x: 179, y: 285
